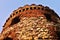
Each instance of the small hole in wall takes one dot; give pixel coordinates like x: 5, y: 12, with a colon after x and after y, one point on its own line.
x: 23, y: 9
x: 10, y: 15
x: 27, y: 8
x: 8, y: 38
x: 16, y: 12
x: 13, y: 14
x: 31, y: 8
x: 42, y: 8
x: 4, y: 25
x: 15, y: 20
x: 38, y: 7
x: 7, y: 19
x: 19, y: 10
x: 34, y: 7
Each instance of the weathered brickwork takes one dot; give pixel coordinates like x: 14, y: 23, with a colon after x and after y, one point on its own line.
x: 32, y: 22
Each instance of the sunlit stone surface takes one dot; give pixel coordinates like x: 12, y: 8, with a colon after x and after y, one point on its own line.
x: 36, y: 23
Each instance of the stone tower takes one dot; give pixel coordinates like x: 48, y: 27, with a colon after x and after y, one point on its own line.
x: 32, y: 22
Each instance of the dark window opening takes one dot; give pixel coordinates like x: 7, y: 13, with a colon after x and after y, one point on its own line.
x: 8, y: 19
x: 16, y: 12
x: 48, y: 17
x: 34, y: 7
x: 38, y: 7
x: 19, y: 10
x: 42, y: 8
x: 23, y: 9
x: 15, y: 20
x: 10, y: 15
x: 31, y: 8
x: 7, y: 38
x: 13, y: 14
x: 27, y: 8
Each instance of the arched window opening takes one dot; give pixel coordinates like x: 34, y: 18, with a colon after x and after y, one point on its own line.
x: 15, y: 20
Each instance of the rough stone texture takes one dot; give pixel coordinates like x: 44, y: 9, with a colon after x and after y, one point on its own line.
x: 32, y: 22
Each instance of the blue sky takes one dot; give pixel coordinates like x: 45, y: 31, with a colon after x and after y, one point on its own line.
x: 7, y: 7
